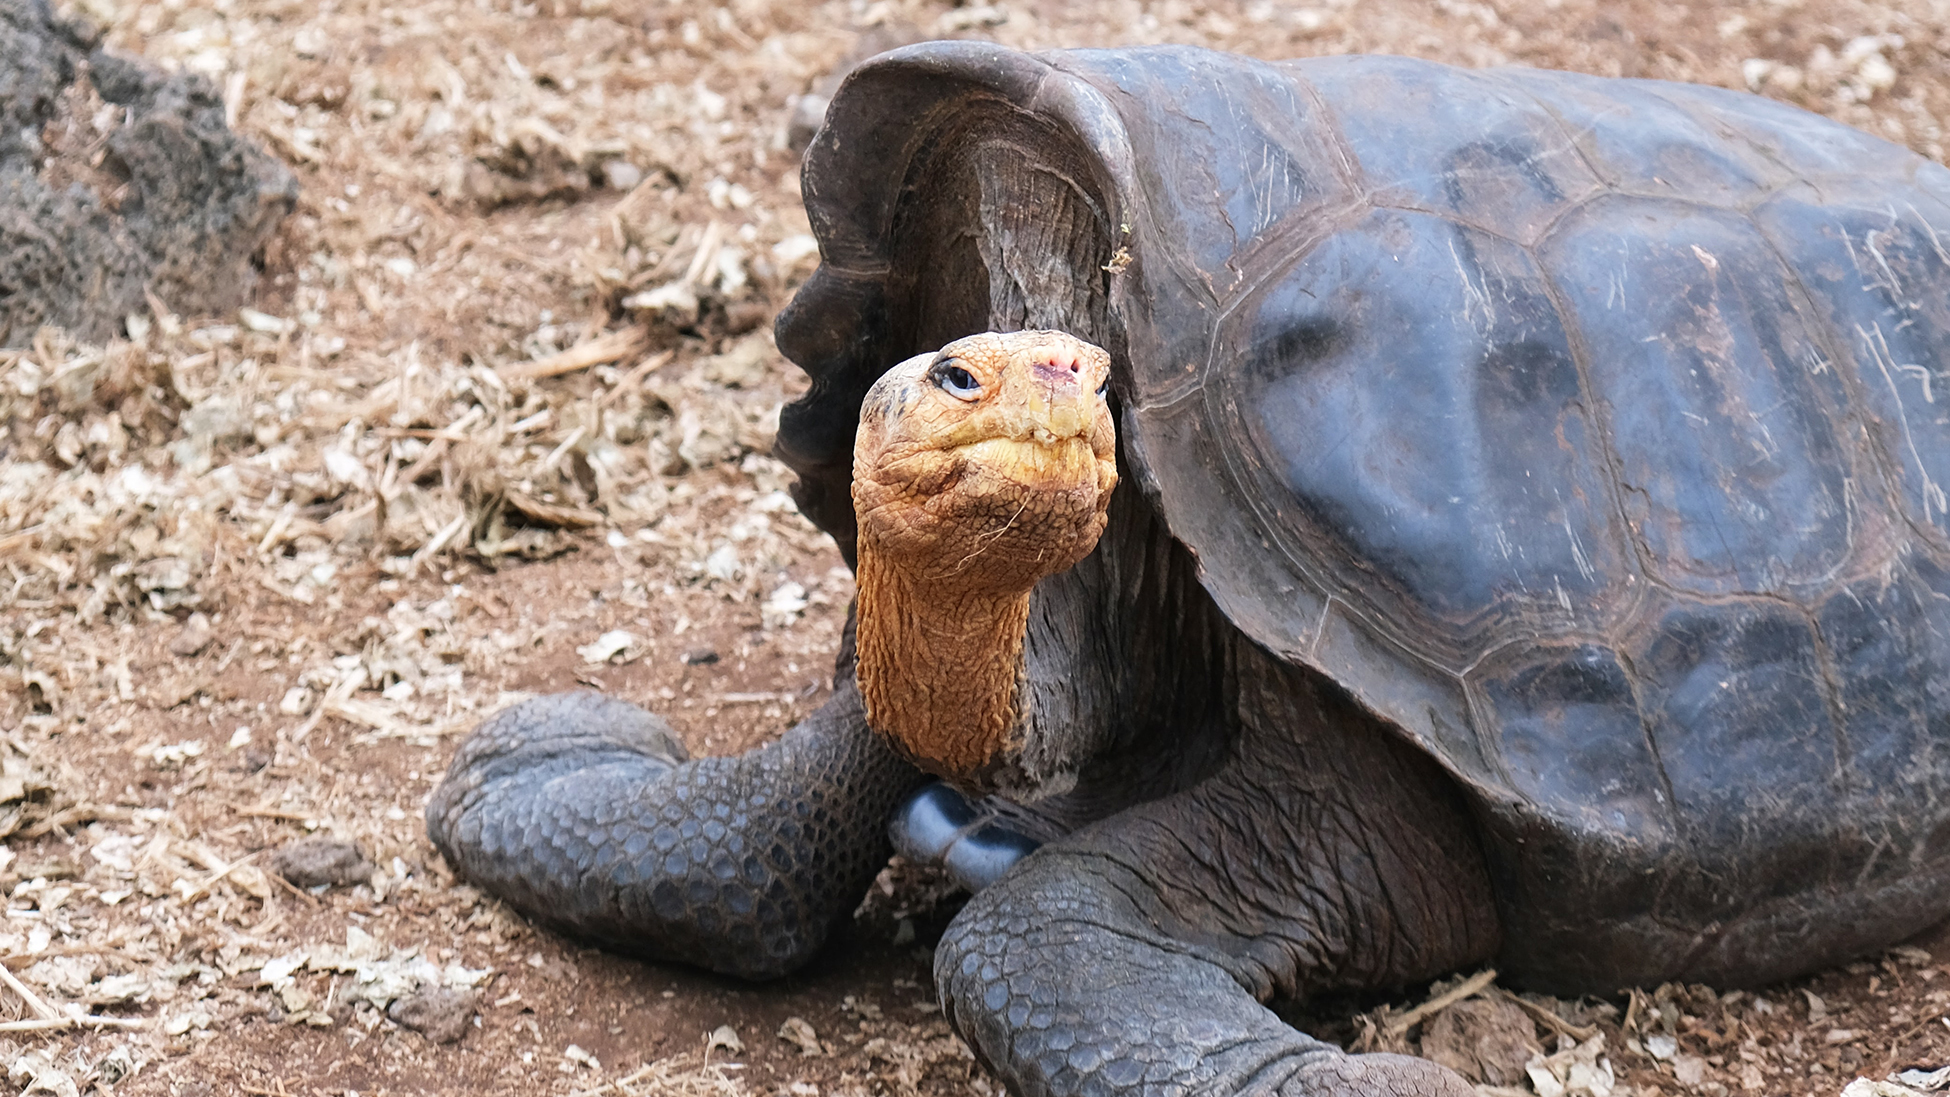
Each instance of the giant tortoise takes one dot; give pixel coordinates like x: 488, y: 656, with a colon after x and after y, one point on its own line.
x: 1530, y: 544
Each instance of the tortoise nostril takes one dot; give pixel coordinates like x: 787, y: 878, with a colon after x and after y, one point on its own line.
x: 1058, y: 372
x: 1061, y: 358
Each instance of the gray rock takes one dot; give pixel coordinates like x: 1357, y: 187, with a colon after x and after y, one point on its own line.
x: 441, y: 1014
x: 310, y: 862
x: 98, y: 204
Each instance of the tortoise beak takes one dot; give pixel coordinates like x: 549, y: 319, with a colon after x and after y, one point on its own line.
x: 1056, y: 393
x: 1058, y: 403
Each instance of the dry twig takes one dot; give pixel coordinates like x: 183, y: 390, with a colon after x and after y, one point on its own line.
x: 1467, y: 988
x: 1552, y: 1021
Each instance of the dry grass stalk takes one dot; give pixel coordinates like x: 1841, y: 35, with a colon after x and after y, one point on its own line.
x: 56, y: 1024
x: 203, y: 888
x: 613, y: 347
x: 34, y: 1001
x: 49, y: 1019
x: 685, y: 1075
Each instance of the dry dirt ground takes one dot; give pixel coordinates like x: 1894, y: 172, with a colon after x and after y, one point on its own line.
x: 497, y: 424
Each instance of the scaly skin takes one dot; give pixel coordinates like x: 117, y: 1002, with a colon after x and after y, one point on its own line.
x: 583, y: 813
x: 1132, y: 956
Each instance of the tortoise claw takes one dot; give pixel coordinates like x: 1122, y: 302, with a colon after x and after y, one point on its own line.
x: 938, y: 826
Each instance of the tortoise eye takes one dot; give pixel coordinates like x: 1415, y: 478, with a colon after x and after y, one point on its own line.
x: 956, y: 381
x: 1103, y: 388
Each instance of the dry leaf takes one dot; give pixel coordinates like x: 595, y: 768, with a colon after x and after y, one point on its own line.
x: 797, y: 1032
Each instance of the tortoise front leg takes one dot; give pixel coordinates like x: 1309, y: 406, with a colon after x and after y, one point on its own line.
x: 1132, y: 956
x: 584, y: 813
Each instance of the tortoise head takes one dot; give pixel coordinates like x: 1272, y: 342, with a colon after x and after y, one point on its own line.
x: 978, y: 471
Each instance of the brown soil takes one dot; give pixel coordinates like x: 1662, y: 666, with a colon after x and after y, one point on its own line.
x: 265, y: 569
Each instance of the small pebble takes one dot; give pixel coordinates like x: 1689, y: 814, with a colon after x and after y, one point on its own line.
x: 310, y: 862
x: 196, y: 635
x: 621, y: 174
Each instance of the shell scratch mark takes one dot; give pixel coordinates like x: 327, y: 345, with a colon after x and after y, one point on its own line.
x: 1264, y: 190
x: 1868, y: 865
x: 1933, y: 495
x: 1876, y: 274
x: 1320, y: 626
x: 1929, y: 229
x: 1848, y: 529
x: 1577, y: 547
x: 1768, y: 447
x: 1872, y: 243
x: 1475, y: 297
x: 1923, y: 377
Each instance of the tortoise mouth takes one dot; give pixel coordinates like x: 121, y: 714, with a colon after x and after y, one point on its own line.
x: 1037, y: 466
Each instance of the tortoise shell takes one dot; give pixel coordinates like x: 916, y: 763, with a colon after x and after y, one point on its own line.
x: 1586, y: 430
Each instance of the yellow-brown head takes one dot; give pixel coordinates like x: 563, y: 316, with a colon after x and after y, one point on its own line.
x: 978, y: 470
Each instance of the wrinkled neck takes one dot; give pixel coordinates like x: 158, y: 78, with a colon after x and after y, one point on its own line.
x: 940, y: 668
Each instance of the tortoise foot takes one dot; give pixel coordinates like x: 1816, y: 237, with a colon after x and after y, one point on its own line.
x: 1337, y: 1075
x: 938, y: 826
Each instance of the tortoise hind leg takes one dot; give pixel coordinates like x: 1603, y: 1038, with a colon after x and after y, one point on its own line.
x: 1134, y: 955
